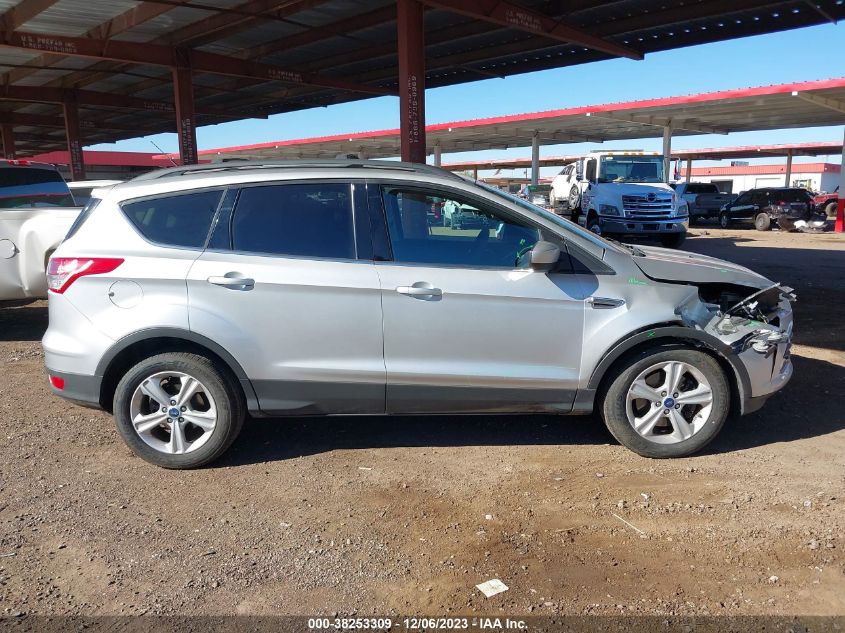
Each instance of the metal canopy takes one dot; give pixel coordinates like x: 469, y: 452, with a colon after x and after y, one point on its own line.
x: 252, y: 58
x: 820, y: 148
x: 805, y: 104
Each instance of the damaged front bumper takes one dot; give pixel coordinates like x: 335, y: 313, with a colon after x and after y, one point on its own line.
x: 756, y: 338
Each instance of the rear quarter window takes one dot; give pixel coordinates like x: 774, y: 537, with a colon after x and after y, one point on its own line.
x: 25, y: 187
x: 174, y: 220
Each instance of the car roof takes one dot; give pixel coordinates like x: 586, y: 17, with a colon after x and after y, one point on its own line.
x: 185, y: 178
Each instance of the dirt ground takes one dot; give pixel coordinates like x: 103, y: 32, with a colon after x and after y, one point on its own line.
x: 406, y: 515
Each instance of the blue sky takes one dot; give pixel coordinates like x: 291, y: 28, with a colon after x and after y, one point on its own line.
x: 799, y: 55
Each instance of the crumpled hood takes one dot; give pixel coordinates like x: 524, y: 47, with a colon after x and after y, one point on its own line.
x: 666, y: 264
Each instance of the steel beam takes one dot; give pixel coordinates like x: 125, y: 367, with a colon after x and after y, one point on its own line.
x: 824, y: 102
x: 523, y: 19
x: 40, y: 120
x: 8, y: 132
x: 788, y: 174
x: 157, y: 55
x: 839, y: 225
x: 185, y: 118
x: 661, y: 122
x: 74, y: 140
x: 535, y: 158
x: 41, y: 94
x: 667, y: 152
x: 689, y: 170
x: 411, y: 30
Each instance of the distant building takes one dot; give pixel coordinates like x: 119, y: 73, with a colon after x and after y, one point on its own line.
x: 733, y: 179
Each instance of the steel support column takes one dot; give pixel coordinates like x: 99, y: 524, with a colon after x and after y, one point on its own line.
x: 788, y: 169
x: 839, y: 226
x: 74, y: 140
x: 437, y: 155
x: 183, y: 91
x: 689, y: 169
x: 535, y: 158
x: 411, y: 32
x: 8, y: 132
x: 667, y: 152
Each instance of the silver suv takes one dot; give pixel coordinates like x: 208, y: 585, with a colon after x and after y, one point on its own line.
x: 188, y: 298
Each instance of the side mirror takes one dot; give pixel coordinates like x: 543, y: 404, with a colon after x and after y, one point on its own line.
x: 544, y: 256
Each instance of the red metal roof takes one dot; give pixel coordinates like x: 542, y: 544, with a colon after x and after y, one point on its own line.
x: 753, y: 170
x: 798, y: 104
x: 110, y: 159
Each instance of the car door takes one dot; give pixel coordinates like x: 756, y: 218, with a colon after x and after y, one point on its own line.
x: 743, y: 207
x: 465, y: 328
x: 286, y: 287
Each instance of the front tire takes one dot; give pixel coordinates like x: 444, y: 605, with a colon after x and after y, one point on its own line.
x: 666, y: 402
x: 724, y: 220
x: 673, y: 240
x: 178, y: 410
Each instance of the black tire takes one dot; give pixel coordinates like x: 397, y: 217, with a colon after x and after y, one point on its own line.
x: 673, y: 240
x: 613, y: 401
x: 762, y: 222
x: 830, y: 210
x: 552, y: 199
x: 221, y: 385
x: 593, y: 224
x: 724, y: 220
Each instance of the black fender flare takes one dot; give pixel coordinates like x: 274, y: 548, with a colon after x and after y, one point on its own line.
x: 667, y: 333
x: 184, y: 335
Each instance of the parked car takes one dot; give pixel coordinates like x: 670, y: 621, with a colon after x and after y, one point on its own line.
x: 82, y: 189
x: 827, y: 202
x: 780, y: 206
x: 538, y: 194
x: 704, y: 200
x: 36, y: 210
x: 319, y: 288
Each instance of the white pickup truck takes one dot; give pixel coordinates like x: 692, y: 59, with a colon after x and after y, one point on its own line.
x: 621, y: 193
x: 36, y: 211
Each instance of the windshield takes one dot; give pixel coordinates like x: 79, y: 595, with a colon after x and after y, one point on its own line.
x: 552, y: 217
x: 631, y: 169
x: 22, y: 187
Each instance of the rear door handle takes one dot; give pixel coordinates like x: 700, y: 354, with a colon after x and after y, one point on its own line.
x: 234, y: 281
x: 421, y: 289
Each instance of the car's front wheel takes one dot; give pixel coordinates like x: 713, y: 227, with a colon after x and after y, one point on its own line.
x: 178, y: 410
x: 724, y: 220
x: 666, y: 402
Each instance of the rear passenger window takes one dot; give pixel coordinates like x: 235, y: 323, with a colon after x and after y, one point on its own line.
x: 180, y: 220
x: 310, y: 220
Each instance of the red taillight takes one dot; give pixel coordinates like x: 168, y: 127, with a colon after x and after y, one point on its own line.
x: 58, y: 383
x: 63, y: 271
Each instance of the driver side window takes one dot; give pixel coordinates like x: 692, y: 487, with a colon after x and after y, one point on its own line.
x: 441, y: 229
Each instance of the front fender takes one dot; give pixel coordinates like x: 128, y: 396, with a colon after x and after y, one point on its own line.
x: 667, y: 334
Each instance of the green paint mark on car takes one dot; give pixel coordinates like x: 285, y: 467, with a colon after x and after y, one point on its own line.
x: 637, y: 282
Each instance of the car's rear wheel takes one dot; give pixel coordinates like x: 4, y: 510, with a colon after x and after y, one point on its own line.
x: 666, y: 402
x: 178, y: 410
x: 724, y: 220
x: 574, y: 197
x: 762, y: 222
x: 830, y: 210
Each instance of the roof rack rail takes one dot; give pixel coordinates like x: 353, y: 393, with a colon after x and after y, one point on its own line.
x: 243, y: 165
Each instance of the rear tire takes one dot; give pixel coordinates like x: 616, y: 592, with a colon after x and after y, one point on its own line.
x: 216, y: 384
x: 699, y: 423
x: 674, y: 240
x: 574, y: 197
x: 762, y: 222
x: 724, y: 220
x: 830, y: 210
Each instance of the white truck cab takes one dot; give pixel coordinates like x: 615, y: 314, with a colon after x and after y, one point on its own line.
x: 622, y: 193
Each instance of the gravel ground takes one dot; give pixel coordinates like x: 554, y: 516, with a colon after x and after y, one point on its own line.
x: 407, y: 515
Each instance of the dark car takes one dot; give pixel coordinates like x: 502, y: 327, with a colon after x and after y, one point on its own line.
x: 781, y: 206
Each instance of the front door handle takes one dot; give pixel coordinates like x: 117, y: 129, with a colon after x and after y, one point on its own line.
x: 421, y: 290
x: 233, y: 281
